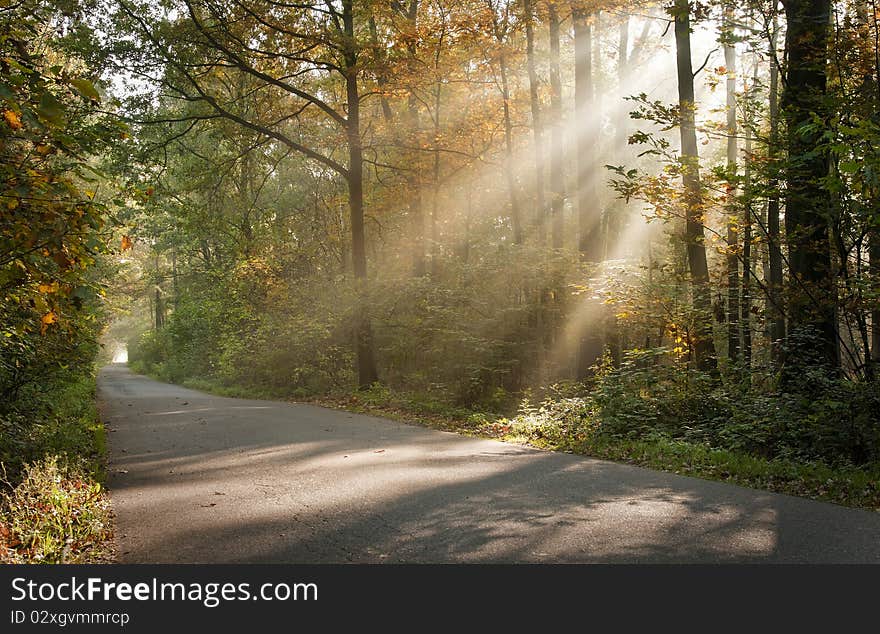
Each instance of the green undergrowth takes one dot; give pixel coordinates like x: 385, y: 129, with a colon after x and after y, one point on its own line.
x: 53, y: 506
x: 231, y: 391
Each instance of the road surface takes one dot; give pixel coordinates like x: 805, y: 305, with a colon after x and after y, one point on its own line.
x: 196, y: 478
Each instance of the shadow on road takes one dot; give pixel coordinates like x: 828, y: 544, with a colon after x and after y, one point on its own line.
x: 235, y: 480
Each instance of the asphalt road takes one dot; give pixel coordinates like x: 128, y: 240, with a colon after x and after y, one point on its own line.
x: 196, y: 478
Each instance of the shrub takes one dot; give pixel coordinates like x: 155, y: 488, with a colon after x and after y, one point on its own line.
x: 837, y: 421
x: 56, y: 514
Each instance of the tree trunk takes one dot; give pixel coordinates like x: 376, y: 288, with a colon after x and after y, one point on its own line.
x: 733, y: 328
x: 776, y: 309
x: 702, y: 344
x: 515, y: 215
x: 585, y: 125
x: 557, y: 174
x: 617, y: 212
x: 874, y: 272
x: 589, y: 214
x: 435, y: 185
x: 381, y: 75
x: 812, y: 334
x: 160, y: 309
x: 540, y: 214
x: 416, y: 211
x: 175, y: 289
x: 621, y: 134
x: 746, y: 317
x: 874, y: 232
x: 601, y: 237
x: 366, y: 364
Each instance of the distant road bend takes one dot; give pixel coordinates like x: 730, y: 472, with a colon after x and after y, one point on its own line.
x: 202, y: 479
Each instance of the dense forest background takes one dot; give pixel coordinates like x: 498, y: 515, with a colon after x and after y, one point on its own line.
x: 634, y: 229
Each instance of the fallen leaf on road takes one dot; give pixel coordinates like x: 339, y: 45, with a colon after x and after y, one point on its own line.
x: 379, y: 451
x: 208, y: 505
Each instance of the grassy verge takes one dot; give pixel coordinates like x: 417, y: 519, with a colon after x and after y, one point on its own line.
x: 231, y: 391
x: 53, y: 507
x: 846, y: 485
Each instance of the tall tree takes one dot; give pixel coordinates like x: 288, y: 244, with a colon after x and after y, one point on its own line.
x: 702, y: 343
x: 540, y: 212
x: 589, y: 213
x: 733, y: 327
x: 557, y: 150
x: 366, y: 362
x: 747, y: 251
x: 501, y: 29
x: 410, y: 13
x: 774, y: 235
x: 585, y: 125
x: 812, y: 294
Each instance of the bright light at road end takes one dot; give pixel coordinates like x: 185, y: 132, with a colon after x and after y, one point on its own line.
x: 121, y: 355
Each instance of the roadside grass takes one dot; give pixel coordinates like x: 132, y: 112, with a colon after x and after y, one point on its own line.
x: 852, y: 486
x: 53, y: 506
x: 231, y: 391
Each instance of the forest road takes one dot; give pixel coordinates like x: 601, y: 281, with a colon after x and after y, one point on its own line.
x: 198, y: 478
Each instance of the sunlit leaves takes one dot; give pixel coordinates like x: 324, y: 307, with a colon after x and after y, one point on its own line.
x: 86, y: 89
x: 47, y: 320
x: 12, y: 119
x: 52, y: 219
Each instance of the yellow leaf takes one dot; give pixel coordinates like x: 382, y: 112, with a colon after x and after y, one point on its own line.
x: 126, y: 243
x: 48, y: 318
x: 12, y: 119
x: 49, y: 288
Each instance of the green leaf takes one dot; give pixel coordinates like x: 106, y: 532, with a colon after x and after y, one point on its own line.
x: 86, y: 89
x: 51, y: 110
x: 14, y: 64
x: 93, y: 170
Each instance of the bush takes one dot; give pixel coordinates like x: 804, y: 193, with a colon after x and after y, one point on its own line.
x: 56, y: 514
x: 837, y: 422
x: 52, y: 507
x: 60, y: 418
